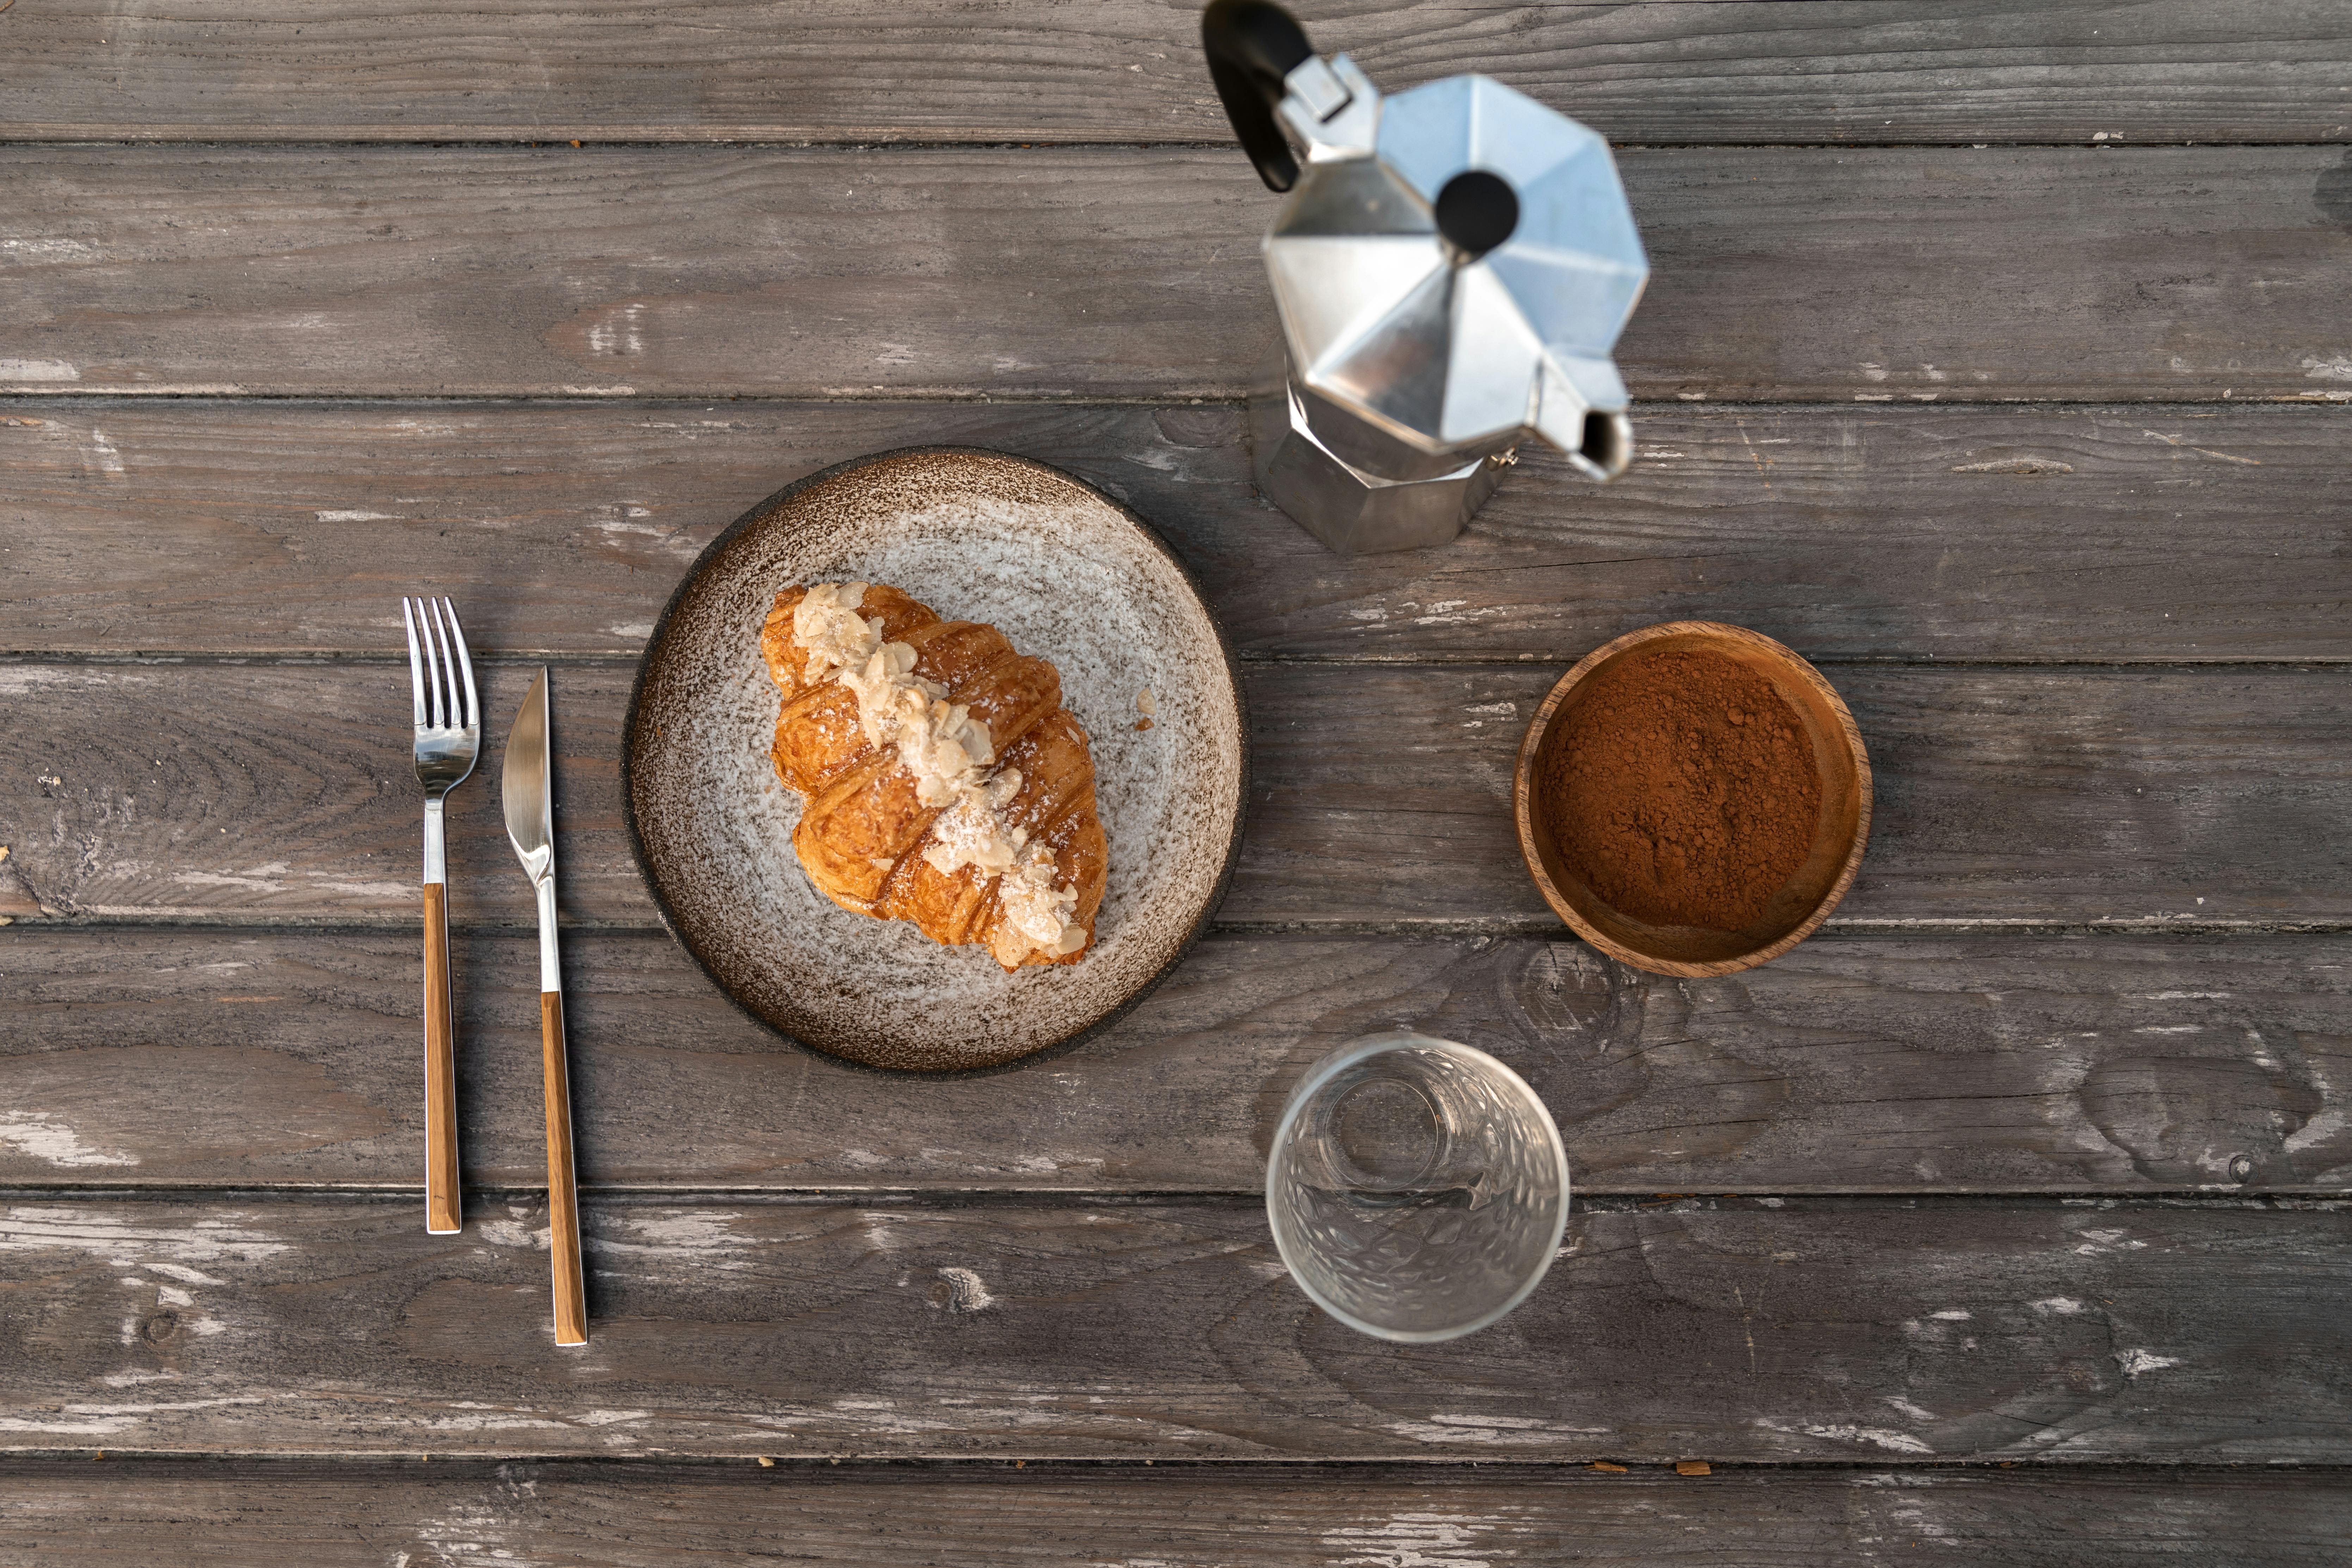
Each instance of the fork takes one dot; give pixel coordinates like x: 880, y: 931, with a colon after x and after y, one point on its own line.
x: 448, y: 737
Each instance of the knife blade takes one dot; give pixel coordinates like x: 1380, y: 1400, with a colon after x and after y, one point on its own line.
x: 527, y: 794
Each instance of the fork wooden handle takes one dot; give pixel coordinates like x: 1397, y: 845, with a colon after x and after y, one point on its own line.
x: 563, y: 1199
x: 441, y: 1203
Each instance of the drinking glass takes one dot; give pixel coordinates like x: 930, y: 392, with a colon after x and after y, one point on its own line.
x: 1417, y: 1187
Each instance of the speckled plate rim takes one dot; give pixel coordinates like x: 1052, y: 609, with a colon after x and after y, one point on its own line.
x: 760, y: 514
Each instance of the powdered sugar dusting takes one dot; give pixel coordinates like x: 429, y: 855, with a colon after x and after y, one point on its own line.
x: 1064, y: 575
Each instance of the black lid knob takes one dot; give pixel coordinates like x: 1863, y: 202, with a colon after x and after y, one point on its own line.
x: 1477, y: 211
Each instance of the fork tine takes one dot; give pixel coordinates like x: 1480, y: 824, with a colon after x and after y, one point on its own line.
x: 415, y: 662
x: 432, y: 666
x: 465, y: 665
x: 449, y: 715
x: 432, y: 711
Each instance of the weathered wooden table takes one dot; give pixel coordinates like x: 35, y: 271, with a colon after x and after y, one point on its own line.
x: 1995, y: 357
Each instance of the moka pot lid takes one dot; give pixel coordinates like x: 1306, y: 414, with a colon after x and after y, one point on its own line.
x: 1457, y: 260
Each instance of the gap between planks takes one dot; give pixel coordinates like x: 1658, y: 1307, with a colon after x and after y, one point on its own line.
x: 2312, y: 1199
x: 624, y: 659
x: 19, y: 1464
x: 1113, y: 401
x: 467, y: 138
x: 1437, y: 928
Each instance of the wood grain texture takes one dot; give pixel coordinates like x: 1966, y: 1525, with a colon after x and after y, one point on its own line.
x: 562, y: 1196
x: 211, y: 526
x: 1381, y: 794
x: 2181, y: 274
x: 68, y: 1513
x: 1986, y: 70
x: 2107, y: 1065
x: 443, y: 1204
x: 1718, y: 1329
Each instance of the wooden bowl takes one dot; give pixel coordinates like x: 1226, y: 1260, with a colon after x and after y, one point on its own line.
x: 1802, y: 903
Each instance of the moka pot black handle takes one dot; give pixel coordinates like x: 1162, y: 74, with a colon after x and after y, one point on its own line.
x: 1252, y: 45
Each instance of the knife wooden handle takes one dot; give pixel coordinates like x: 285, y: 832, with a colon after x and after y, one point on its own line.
x: 441, y: 1201
x: 563, y: 1201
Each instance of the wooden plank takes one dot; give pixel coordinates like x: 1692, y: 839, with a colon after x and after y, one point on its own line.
x: 151, y: 1058
x: 1983, y: 70
x: 1381, y: 794
x: 1807, y: 1329
x: 2184, y: 273
x: 343, y: 1514
x: 1859, y: 533
x: 2002, y: 796
x: 206, y: 526
x: 267, y: 527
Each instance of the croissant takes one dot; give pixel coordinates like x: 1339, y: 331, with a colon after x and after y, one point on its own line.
x: 942, y: 781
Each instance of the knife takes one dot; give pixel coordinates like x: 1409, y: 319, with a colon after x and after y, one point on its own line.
x: 526, y: 792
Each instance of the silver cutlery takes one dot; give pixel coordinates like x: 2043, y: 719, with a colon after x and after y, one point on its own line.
x: 448, y: 737
x: 525, y: 791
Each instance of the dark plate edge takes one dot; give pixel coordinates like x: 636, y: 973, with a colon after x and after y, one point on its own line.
x: 661, y: 626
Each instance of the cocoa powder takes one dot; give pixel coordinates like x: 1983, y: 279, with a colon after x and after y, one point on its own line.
x: 1683, y: 790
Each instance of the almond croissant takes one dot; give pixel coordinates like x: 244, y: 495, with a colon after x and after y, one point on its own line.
x: 942, y: 781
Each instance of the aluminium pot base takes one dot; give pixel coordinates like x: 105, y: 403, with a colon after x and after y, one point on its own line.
x: 1354, y: 512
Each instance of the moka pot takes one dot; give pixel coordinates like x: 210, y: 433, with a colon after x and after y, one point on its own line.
x: 1452, y: 269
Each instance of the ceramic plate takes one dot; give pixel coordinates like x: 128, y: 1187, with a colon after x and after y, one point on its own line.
x: 1064, y: 572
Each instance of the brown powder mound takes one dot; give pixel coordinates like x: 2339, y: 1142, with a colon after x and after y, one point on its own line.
x: 1683, y: 790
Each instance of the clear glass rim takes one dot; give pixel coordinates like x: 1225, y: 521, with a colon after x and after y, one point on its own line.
x: 1339, y: 1061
